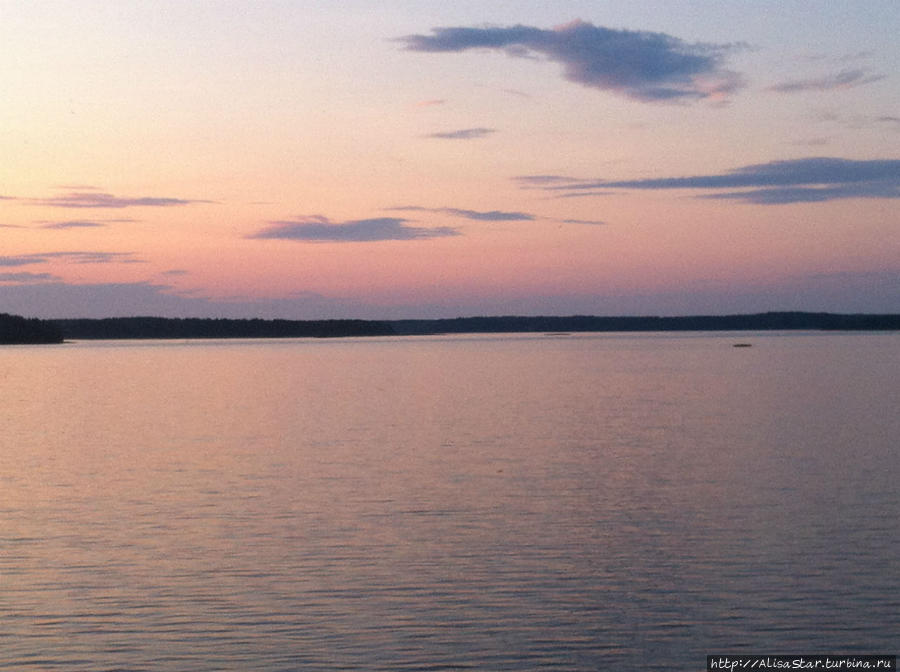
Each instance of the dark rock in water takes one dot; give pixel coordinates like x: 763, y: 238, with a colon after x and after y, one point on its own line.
x: 17, y: 330
x: 742, y: 345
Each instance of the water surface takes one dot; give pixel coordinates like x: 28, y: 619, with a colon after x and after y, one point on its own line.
x: 524, y: 502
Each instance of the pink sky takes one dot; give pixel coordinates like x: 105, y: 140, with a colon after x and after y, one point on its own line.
x: 286, y: 160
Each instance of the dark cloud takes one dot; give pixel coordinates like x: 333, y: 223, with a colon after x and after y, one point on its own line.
x: 489, y: 216
x: 69, y: 257
x: 84, y: 199
x: 463, y: 134
x: 641, y: 65
x: 842, y: 80
x: 777, y: 182
x: 321, y: 229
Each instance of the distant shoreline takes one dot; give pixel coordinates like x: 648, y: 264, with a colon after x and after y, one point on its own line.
x: 187, y: 328
x: 19, y: 330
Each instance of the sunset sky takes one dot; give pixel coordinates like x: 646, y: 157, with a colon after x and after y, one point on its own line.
x: 414, y: 158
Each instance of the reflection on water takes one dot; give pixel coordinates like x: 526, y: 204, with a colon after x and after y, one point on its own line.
x: 487, y: 503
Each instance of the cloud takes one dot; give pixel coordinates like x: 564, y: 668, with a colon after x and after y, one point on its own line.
x: 83, y: 199
x: 778, y: 182
x: 463, y: 134
x: 589, y: 222
x: 843, y: 80
x: 431, y: 103
x: 27, y: 278
x: 584, y: 194
x: 489, y: 216
x: 495, y: 215
x: 817, y: 194
x: 321, y: 229
x: 558, y: 184
x: 640, y: 65
x: 69, y: 257
x: 72, y: 224
x: 541, y: 181
x: 857, y: 121
x: 64, y: 300
x: 812, y: 142
x: 83, y: 223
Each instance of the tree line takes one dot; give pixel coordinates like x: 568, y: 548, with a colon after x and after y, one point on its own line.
x: 16, y: 329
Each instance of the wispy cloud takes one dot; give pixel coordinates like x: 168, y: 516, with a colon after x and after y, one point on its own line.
x: 813, y: 194
x: 481, y: 216
x: 582, y: 194
x: 27, y: 278
x: 56, y: 299
x: 78, y: 257
x: 589, y: 222
x: 320, y: 229
x: 82, y: 223
x: 85, y: 199
x: 495, y: 215
x: 463, y: 134
x: 842, y: 80
x: 543, y: 181
x: 434, y: 102
x: 641, y: 65
x: 857, y: 121
x: 560, y: 186
x: 775, y: 183
x: 73, y: 224
x: 812, y: 142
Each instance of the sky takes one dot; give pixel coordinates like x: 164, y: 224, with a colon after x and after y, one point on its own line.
x: 416, y: 158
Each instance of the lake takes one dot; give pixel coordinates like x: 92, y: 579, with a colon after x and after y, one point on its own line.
x: 491, y: 502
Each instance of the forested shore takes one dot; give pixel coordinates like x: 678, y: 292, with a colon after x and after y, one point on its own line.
x: 19, y: 330
x: 157, y: 327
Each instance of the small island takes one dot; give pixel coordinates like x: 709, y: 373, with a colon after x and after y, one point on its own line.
x: 17, y: 330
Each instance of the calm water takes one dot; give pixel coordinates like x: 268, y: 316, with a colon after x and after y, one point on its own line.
x: 592, y: 502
